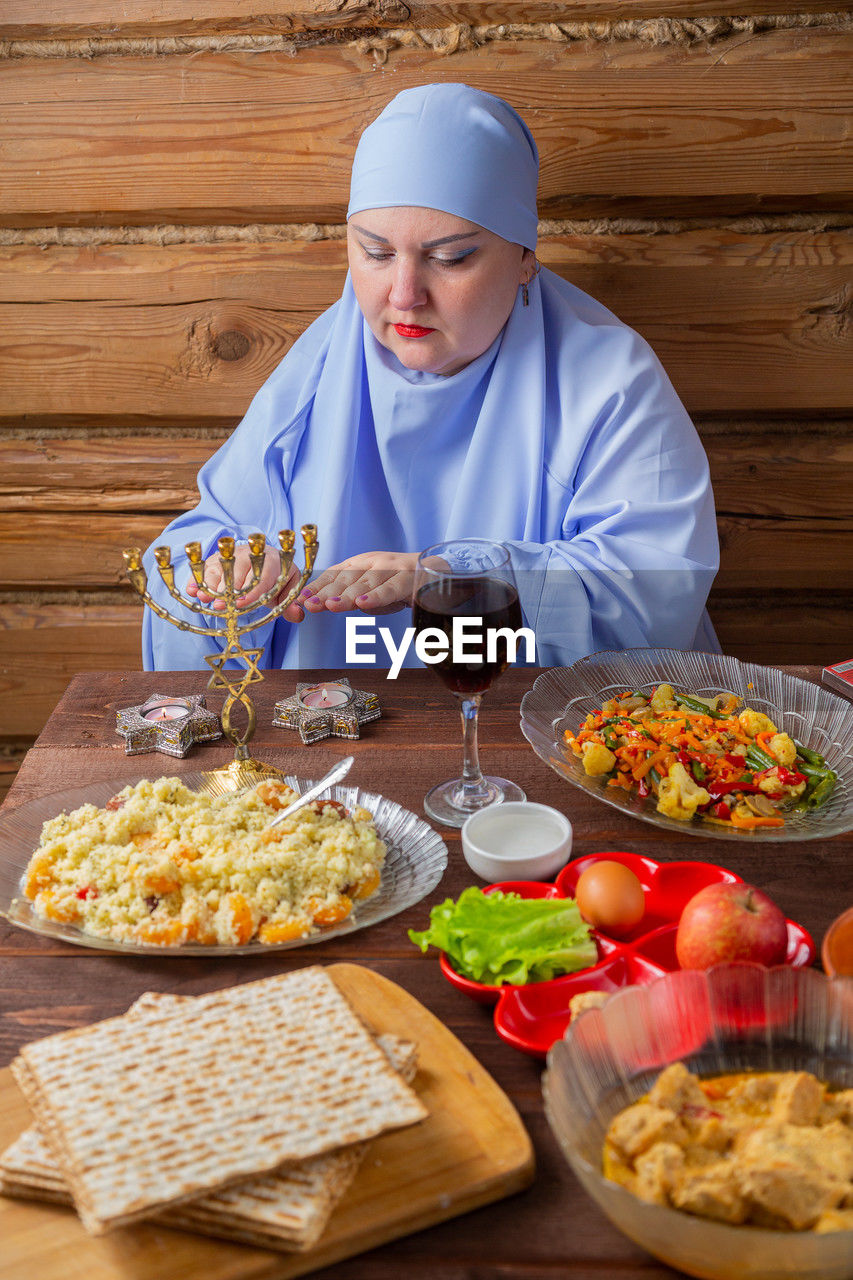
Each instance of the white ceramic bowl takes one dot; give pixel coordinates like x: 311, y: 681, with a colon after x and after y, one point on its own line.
x: 517, y: 841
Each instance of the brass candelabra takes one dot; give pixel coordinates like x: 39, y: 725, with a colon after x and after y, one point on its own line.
x: 233, y: 616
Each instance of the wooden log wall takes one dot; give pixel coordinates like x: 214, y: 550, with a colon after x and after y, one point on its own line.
x: 172, y: 197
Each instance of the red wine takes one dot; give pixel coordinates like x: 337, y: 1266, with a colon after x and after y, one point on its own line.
x: 491, y: 599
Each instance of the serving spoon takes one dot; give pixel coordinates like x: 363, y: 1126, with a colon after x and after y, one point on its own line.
x: 335, y: 774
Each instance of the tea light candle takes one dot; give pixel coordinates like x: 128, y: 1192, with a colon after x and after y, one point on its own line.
x: 166, y: 711
x: 325, y: 695
x: 332, y: 708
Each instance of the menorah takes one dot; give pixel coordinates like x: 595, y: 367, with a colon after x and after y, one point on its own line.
x: 232, y: 615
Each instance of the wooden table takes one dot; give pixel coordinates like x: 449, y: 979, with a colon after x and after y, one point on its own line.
x: 550, y: 1230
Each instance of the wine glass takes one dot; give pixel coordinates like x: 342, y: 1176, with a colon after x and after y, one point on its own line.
x: 472, y: 579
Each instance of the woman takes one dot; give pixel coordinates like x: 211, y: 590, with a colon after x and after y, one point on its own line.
x: 457, y: 390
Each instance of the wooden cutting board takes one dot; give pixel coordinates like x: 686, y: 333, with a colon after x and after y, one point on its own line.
x: 471, y: 1149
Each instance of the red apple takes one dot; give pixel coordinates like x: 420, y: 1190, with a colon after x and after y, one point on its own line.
x: 730, y: 922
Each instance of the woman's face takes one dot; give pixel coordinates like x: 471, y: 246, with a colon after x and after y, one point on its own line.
x: 434, y: 289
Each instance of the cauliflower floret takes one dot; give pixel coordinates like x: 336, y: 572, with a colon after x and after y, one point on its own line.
x: 663, y: 699
x: 781, y: 747
x: 754, y: 722
x: 679, y: 796
x: 597, y: 759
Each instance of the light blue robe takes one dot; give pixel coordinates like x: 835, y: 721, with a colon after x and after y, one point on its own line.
x: 565, y: 440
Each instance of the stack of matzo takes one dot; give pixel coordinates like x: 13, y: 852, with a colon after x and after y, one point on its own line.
x: 243, y: 1113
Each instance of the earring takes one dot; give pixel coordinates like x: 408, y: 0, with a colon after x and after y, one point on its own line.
x: 525, y: 293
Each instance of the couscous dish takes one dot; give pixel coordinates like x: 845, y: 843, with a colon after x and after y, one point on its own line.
x: 165, y: 865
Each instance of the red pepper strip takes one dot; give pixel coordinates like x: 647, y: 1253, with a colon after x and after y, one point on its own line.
x: 719, y: 789
x: 722, y: 810
x: 704, y: 758
x: 643, y: 788
x: 789, y: 777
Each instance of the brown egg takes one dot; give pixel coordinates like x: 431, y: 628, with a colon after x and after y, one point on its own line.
x: 610, y: 897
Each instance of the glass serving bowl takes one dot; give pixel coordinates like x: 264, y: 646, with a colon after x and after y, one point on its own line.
x: 736, y: 1017
x: 562, y: 698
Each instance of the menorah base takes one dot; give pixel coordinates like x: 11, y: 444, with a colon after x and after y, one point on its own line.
x: 241, y: 773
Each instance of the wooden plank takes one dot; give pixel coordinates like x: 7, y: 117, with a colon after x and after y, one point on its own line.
x: 100, y: 19
x: 84, y: 551
x: 43, y: 645
x: 192, y: 330
x: 111, y: 473
x: 788, y: 68
x: 785, y: 554
x: 298, y: 276
x: 765, y: 470
x: 781, y: 629
x: 173, y: 332
x: 782, y: 473
x: 70, y: 551
x: 273, y: 265
x: 269, y: 137
x: 108, y: 359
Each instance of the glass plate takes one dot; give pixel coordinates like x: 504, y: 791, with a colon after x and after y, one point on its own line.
x: 414, y: 864
x: 560, y: 699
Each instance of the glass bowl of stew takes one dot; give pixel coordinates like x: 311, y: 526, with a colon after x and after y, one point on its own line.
x: 733, y: 1018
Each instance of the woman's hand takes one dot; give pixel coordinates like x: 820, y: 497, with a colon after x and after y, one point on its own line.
x: 374, y: 582
x: 215, y: 578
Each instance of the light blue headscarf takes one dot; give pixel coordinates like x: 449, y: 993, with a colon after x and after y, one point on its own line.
x: 402, y: 159
x: 564, y: 439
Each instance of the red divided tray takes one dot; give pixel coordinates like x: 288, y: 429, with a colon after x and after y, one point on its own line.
x: 531, y: 1017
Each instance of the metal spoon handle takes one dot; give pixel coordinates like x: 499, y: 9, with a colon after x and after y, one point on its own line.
x: 335, y: 774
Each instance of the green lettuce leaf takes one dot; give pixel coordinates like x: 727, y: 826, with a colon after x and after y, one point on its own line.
x: 501, y: 937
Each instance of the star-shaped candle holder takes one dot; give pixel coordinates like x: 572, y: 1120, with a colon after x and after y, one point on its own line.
x: 331, y: 709
x: 167, y: 724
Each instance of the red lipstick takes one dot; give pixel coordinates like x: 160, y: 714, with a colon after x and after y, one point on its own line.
x: 412, y: 330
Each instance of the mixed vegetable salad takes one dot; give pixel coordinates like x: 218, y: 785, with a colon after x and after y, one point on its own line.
x: 708, y: 758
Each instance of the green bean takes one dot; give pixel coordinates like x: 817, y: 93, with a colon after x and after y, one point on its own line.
x: 822, y: 791
x: 810, y: 757
x: 818, y: 790
x: 811, y: 770
x: 760, y: 759
x: 696, y: 704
